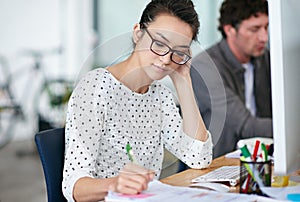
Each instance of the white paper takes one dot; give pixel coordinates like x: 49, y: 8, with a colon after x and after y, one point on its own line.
x: 160, y: 192
x: 281, y: 192
x: 235, y: 154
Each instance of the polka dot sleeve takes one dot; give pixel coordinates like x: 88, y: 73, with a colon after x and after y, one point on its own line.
x: 194, y: 153
x: 82, y: 136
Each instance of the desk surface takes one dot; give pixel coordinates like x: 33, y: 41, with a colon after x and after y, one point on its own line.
x: 184, y: 178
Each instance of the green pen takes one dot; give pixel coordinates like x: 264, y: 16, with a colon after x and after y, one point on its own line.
x: 130, y: 153
x: 245, y: 152
x: 247, y: 167
x: 264, y: 152
x: 266, y: 167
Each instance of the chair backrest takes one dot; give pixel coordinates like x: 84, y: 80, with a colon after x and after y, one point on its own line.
x: 51, y: 147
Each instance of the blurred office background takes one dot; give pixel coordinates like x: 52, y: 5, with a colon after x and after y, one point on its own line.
x: 55, y: 42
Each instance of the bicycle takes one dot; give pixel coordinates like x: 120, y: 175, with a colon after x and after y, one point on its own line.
x: 49, y: 99
x: 9, y: 108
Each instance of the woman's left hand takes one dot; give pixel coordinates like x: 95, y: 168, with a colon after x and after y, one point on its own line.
x: 183, y: 71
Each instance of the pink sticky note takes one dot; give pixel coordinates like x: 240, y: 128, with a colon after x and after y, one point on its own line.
x: 136, y: 195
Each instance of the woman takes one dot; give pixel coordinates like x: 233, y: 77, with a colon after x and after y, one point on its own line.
x: 125, y: 103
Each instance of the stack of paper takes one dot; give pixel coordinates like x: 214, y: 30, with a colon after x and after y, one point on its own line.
x: 159, y: 192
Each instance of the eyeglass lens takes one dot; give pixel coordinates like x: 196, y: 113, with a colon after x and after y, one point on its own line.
x: 162, y: 49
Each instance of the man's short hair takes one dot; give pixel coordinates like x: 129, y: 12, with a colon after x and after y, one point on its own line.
x: 233, y: 12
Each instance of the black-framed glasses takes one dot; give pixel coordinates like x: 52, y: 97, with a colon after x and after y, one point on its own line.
x: 163, y: 49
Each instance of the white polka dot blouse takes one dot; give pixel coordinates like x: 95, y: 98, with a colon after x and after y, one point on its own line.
x: 104, y: 115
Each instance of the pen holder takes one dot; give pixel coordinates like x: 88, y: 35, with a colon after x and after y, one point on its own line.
x: 253, y: 175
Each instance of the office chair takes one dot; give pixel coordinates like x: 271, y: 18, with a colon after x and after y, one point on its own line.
x: 51, y: 147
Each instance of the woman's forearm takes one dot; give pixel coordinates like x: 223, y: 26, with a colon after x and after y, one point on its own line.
x: 193, y: 124
x: 89, y: 189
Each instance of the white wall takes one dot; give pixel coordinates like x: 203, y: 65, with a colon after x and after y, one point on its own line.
x: 208, y: 12
x: 28, y: 24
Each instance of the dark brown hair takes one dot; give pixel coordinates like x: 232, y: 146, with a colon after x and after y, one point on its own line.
x: 183, y: 9
x: 233, y: 12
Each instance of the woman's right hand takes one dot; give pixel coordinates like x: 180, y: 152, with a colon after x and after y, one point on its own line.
x: 132, y: 179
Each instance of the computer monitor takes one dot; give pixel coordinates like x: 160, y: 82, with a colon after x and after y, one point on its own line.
x: 284, y: 18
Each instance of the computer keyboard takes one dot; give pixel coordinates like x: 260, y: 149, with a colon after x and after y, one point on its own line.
x: 229, y: 174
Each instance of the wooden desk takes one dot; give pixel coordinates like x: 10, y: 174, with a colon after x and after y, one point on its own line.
x: 184, y: 178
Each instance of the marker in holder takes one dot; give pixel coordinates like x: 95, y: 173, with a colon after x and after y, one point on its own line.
x: 258, y: 174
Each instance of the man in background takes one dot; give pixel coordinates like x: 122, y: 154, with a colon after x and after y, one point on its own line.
x: 232, y: 80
